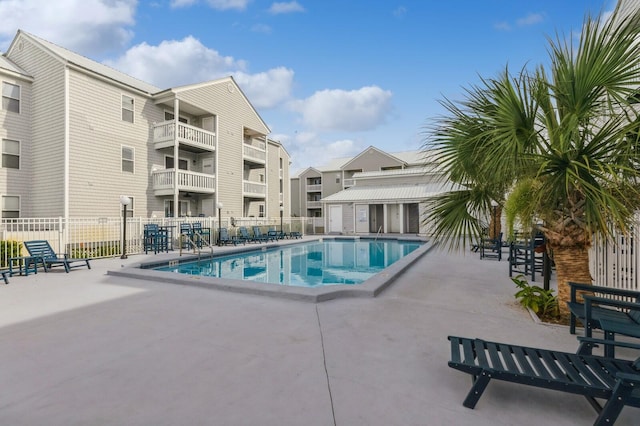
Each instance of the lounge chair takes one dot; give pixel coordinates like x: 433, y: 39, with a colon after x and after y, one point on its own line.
x: 5, y: 276
x: 202, y: 235
x: 259, y: 236
x: 244, y: 235
x: 225, y: 239
x: 592, y: 376
x: 295, y: 234
x: 602, y: 309
x: 276, y: 235
x: 42, y: 252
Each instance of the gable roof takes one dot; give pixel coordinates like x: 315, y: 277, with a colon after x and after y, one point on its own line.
x: 388, y: 193
x: 367, y: 150
x: 8, y: 66
x: 68, y: 56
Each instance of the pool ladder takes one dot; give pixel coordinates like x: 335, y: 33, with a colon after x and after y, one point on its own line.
x: 193, y: 244
x: 377, y: 234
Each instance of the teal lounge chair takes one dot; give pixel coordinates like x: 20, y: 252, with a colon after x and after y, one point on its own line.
x: 244, y: 235
x: 225, y: 239
x: 611, y: 379
x: 42, y: 253
x: 259, y: 236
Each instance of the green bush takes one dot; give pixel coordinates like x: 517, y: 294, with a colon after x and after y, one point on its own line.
x: 539, y: 300
x: 9, y: 249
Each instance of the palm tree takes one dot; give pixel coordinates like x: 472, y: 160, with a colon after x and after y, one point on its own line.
x: 561, y: 147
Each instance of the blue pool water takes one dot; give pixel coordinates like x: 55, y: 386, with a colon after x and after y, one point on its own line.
x: 312, y: 264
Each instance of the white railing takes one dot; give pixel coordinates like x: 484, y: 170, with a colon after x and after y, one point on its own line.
x: 163, y: 134
x: 614, y: 262
x: 102, y: 237
x: 251, y: 152
x: 314, y: 188
x: 254, y: 188
x: 314, y: 204
x: 163, y: 181
x: 348, y: 183
x: 257, y: 143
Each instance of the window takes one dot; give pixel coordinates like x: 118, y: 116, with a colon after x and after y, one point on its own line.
x: 182, y: 163
x: 281, y: 186
x: 183, y: 208
x: 261, y: 178
x: 11, y: 97
x: 170, y: 116
x: 10, y: 154
x: 127, y: 108
x: 127, y: 159
x: 280, y: 163
x: 10, y: 206
x: 261, y: 210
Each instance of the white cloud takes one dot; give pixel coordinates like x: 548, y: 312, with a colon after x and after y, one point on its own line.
x: 84, y: 26
x: 400, y: 12
x: 341, y: 110
x: 285, y: 7
x: 308, y: 150
x: 261, y: 28
x: 182, y: 3
x: 530, y: 19
x: 178, y: 62
x: 228, y: 4
x: 266, y: 89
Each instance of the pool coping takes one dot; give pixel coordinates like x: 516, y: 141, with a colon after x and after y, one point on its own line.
x: 369, y: 288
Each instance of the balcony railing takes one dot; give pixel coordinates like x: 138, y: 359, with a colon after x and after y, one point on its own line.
x: 349, y: 183
x: 314, y: 204
x: 251, y: 153
x: 256, y: 143
x: 314, y: 188
x: 254, y: 189
x: 163, y: 182
x: 189, y: 136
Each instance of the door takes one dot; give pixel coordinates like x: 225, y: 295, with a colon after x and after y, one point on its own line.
x: 335, y: 218
x: 362, y: 218
x: 208, y: 124
x: 207, y: 166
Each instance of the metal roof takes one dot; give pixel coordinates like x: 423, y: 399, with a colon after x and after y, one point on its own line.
x: 388, y: 193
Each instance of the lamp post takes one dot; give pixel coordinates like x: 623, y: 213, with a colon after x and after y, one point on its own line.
x: 281, y: 227
x: 125, y: 201
x: 219, y: 207
x: 494, y: 204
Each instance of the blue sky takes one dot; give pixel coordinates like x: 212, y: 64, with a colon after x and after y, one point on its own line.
x: 329, y: 77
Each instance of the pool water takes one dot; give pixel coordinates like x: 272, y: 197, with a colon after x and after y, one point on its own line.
x: 312, y: 264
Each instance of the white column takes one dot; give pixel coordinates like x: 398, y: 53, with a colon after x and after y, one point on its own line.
x: 401, y: 213
x: 176, y: 114
x: 385, y: 218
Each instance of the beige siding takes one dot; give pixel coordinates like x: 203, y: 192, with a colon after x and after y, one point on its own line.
x: 329, y: 185
x: 47, y: 137
x: 371, y: 160
x: 98, y: 134
x: 17, y: 182
x: 296, y: 198
x: 234, y: 115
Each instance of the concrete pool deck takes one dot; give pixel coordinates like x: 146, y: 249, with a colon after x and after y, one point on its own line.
x: 86, y: 348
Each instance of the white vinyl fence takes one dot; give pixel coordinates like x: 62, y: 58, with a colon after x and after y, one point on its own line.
x: 614, y: 262
x: 102, y: 237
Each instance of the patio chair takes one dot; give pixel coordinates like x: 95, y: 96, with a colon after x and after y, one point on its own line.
x: 592, y: 376
x: 203, y: 235
x: 155, y: 239
x: 276, y: 235
x: 225, y: 238
x: 42, y: 252
x: 601, y: 309
x: 5, y: 276
x: 259, y: 236
x: 244, y: 235
x: 491, y: 248
x: 295, y: 234
x: 186, y: 235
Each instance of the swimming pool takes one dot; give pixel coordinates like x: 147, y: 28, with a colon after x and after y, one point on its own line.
x: 310, y: 264
x: 298, y: 261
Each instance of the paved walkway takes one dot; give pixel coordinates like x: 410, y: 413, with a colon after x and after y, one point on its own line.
x: 85, y: 348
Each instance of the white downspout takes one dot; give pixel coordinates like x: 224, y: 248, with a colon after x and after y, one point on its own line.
x: 176, y: 193
x: 66, y: 145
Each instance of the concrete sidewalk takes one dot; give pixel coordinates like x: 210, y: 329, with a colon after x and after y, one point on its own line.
x: 85, y: 348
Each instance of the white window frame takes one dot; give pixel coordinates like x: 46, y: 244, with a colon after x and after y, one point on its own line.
x: 132, y: 160
x: 19, y: 99
x: 185, y: 160
x: 3, y: 209
x: 181, y: 203
x: 260, y: 210
x: 182, y: 118
x: 7, y: 153
x: 123, y: 109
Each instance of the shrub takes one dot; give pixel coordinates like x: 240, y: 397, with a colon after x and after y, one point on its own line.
x: 539, y: 300
x: 9, y: 249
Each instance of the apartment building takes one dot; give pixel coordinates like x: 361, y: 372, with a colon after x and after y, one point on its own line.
x: 76, y: 135
x: 372, y: 192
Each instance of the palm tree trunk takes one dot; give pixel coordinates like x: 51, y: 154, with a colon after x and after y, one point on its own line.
x: 572, y: 264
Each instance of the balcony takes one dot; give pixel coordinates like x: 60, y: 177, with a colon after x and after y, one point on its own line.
x: 253, y: 154
x: 348, y: 183
x: 314, y: 204
x: 254, y: 189
x: 190, y: 138
x: 163, y: 182
x: 314, y: 188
